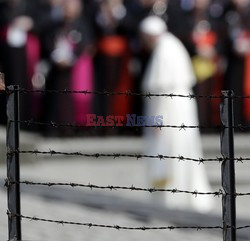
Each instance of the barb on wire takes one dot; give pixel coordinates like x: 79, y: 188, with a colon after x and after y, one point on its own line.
x: 73, y: 125
x: 116, y: 188
x: 117, y: 227
x: 119, y: 155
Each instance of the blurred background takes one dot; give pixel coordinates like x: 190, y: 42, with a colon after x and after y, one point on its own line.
x: 96, y: 45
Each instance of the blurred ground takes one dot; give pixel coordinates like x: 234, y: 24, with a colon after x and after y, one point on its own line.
x: 123, y: 171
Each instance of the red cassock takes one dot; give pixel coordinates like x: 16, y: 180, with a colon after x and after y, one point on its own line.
x: 116, y: 46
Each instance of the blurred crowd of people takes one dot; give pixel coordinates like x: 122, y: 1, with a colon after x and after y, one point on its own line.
x: 95, y: 45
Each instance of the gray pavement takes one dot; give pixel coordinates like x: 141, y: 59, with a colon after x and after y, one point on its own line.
x: 36, y: 231
x: 107, y: 172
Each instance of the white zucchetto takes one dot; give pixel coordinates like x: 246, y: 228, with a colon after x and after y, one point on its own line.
x: 153, y: 25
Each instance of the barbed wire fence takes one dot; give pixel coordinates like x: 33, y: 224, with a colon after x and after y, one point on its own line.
x: 228, y: 191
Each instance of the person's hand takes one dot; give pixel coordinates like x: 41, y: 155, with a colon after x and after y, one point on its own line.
x: 242, y: 46
x: 207, y: 52
x: 64, y: 64
x: 2, y: 85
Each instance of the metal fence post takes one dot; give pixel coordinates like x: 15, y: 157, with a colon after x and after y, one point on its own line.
x: 13, y: 167
x: 228, y: 167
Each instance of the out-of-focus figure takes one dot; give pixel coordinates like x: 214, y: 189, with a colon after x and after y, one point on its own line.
x: 66, y: 41
x: 112, y: 58
x: 3, y: 22
x: 156, y: 7
x: 20, y: 50
x: 170, y: 71
x: 203, y: 33
x: 238, y: 71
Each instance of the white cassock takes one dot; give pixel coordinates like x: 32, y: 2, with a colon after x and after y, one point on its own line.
x: 170, y: 71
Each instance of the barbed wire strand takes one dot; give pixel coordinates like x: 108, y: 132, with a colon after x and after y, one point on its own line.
x: 127, y: 93
x: 73, y: 125
x: 180, y: 127
x: 117, y: 155
x: 117, y: 227
x: 136, y: 156
x: 244, y: 227
x: 115, y: 188
x: 119, y: 93
x: 125, y: 188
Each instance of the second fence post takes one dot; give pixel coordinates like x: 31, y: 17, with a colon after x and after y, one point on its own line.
x: 13, y: 168
x: 228, y: 167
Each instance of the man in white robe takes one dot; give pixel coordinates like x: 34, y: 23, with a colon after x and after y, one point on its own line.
x: 170, y: 71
